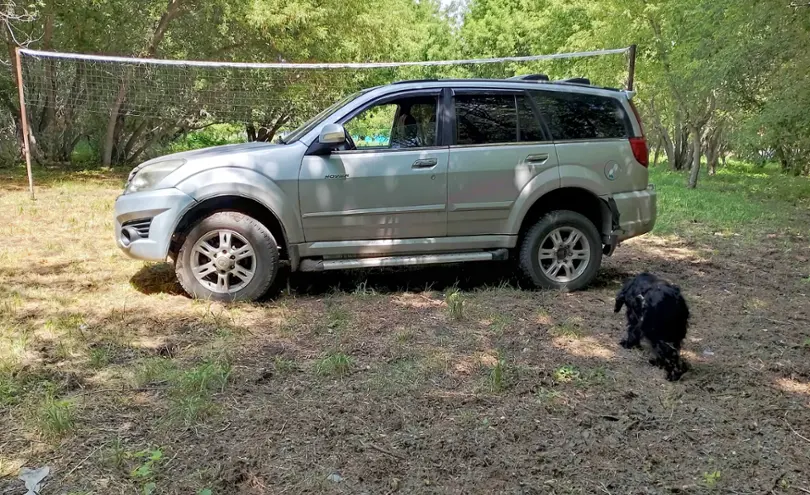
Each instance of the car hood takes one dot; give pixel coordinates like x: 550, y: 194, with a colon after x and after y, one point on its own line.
x: 225, y: 152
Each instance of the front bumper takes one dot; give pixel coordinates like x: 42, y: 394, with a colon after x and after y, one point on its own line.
x: 162, y: 208
x: 637, y: 212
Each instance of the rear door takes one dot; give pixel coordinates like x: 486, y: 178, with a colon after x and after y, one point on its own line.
x: 499, y: 146
x: 592, y: 136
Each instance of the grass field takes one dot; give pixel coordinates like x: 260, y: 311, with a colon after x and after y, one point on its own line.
x: 447, y: 380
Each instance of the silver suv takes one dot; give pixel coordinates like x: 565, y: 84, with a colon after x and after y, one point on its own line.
x: 551, y: 174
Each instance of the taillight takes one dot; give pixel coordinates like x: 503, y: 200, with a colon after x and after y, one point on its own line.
x: 640, y: 151
x: 638, y: 117
x: 639, y: 144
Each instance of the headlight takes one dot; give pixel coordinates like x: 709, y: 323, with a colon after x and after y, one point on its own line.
x: 149, y: 176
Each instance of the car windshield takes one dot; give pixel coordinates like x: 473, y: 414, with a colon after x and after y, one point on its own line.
x: 311, y: 123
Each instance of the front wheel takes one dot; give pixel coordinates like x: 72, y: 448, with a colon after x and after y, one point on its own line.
x: 227, y: 256
x: 563, y: 250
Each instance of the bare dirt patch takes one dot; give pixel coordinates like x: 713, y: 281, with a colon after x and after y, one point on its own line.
x: 367, y: 383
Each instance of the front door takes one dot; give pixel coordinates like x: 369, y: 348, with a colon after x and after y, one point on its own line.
x: 390, y: 181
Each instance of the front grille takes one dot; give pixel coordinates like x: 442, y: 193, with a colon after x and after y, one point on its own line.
x: 141, y: 226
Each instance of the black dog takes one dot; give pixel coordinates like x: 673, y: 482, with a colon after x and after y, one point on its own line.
x: 656, y: 311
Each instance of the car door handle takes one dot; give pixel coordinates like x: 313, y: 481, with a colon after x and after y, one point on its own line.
x: 538, y: 158
x: 425, y: 163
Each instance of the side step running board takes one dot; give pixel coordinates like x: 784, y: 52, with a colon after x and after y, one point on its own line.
x: 423, y: 259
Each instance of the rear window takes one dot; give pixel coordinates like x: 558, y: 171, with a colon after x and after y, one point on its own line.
x: 580, y: 116
x: 495, y: 119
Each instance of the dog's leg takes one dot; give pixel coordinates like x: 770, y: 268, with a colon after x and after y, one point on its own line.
x: 668, y: 356
x: 633, y: 338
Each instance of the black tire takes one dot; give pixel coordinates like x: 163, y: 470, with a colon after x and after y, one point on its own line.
x: 265, y: 249
x: 530, y: 265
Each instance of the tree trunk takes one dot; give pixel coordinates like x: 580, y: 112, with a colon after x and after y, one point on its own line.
x: 682, y: 145
x: 713, y: 145
x: 276, y: 125
x: 49, y: 104
x: 657, y: 153
x: 109, y: 137
x: 665, y: 140
x: 133, y: 138
x: 157, y: 134
x: 695, y: 172
x: 172, y: 9
x: 12, y: 102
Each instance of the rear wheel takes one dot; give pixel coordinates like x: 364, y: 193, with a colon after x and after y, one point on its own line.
x: 227, y: 256
x: 563, y: 250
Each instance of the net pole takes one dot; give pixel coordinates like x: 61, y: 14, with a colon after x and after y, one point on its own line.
x: 631, y: 67
x: 24, y: 122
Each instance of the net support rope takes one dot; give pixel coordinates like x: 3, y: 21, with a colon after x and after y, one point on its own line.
x: 352, y: 65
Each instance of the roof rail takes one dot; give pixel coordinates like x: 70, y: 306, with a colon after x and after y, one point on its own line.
x: 575, y: 80
x: 407, y: 81
x: 530, y: 77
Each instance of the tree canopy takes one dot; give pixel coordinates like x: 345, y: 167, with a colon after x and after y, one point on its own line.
x: 713, y: 76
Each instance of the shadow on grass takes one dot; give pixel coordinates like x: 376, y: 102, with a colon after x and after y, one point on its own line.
x: 157, y: 278
x: 160, y: 279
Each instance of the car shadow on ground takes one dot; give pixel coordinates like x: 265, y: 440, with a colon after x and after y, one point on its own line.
x: 159, y: 278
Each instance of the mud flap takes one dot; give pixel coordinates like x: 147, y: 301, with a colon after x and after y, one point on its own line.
x: 611, y: 240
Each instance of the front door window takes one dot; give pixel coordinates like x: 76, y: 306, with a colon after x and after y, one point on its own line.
x: 399, y: 124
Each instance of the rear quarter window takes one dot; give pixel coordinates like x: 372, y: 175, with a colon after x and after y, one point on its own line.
x: 574, y: 116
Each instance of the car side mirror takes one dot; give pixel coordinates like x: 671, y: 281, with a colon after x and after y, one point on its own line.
x: 332, y: 134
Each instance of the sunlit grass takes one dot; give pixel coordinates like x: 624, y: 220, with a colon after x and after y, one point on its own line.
x: 740, y: 200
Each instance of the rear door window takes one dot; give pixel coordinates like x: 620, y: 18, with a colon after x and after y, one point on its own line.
x: 495, y: 119
x: 574, y: 116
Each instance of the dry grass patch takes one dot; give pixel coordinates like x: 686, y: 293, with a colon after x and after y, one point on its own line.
x: 449, y: 375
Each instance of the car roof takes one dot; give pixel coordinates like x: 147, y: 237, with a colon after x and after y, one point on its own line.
x: 516, y: 84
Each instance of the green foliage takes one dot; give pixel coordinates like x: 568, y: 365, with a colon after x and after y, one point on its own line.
x: 337, y: 317
x: 154, y: 370
x: 191, y: 391
x: 568, y: 329
x: 57, y: 417
x: 99, y: 357
x: 373, y: 127
x: 567, y: 373
x: 335, y: 364
x: 711, y: 479
x: 455, y: 303
x: 149, y: 459
x: 737, y: 67
x: 9, y: 389
x: 497, y: 375
x: 215, y: 135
